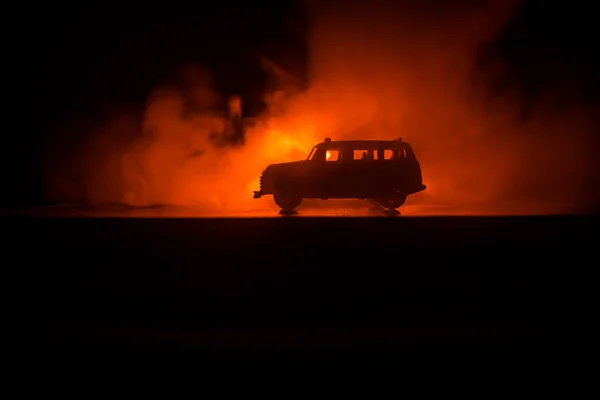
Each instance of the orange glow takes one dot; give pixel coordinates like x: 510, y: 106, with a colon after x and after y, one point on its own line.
x: 327, y: 155
x: 375, y: 74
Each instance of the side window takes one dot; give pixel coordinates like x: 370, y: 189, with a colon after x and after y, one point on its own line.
x: 364, y: 155
x: 394, y: 154
x: 332, y: 155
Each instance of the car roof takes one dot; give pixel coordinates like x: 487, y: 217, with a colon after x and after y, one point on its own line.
x: 365, y: 143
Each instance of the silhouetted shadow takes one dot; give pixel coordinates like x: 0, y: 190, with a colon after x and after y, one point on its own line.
x: 288, y: 213
x: 391, y: 213
x: 383, y: 212
x: 375, y: 210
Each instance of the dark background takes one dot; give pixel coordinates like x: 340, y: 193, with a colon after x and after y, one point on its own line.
x: 229, y: 283
x: 75, y: 64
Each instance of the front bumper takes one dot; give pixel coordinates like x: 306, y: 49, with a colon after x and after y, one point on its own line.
x: 258, y: 193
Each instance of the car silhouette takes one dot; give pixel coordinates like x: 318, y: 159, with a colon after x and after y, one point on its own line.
x: 386, y: 171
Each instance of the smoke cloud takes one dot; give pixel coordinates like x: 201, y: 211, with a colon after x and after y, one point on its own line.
x: 377, y: 72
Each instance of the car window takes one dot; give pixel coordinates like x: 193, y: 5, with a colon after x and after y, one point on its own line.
x: 388, y: 154
x: 364, y: 154
x: 394, y: 154
x: 332, y: 155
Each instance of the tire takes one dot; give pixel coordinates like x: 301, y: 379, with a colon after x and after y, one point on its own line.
x: 393, y: 203
x: 286, y: 197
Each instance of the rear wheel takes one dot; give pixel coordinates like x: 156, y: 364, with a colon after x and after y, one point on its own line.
x: 286, y: 197
x: 392, y: 203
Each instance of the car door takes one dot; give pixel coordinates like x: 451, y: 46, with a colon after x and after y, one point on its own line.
x: 358, y: 176
x: 333, y: 182
x: 323, y: 174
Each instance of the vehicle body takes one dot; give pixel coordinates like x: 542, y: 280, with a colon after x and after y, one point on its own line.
x: 383, y: 170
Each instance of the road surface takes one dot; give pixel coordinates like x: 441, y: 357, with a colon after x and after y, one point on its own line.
x: 265, y: 208
x: 198, y: 284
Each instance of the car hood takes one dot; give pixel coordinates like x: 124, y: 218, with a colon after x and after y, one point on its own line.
x: 286, y: 166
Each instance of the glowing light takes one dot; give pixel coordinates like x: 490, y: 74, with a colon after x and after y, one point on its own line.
x: 327, y: 155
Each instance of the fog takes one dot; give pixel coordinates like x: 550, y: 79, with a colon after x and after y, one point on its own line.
x: 375, y: 72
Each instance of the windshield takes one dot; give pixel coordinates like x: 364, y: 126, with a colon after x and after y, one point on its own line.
x: 312, y: 153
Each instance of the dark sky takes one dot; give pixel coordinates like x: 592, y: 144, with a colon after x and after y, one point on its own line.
x: 73, y: 60
x: 98, y: 53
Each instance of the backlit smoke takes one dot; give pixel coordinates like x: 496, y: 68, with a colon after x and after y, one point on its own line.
x: 375, y: 72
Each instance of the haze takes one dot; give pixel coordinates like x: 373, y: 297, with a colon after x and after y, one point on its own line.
x: 375, y: 72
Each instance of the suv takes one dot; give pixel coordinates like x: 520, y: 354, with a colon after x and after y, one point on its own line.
x: 386, y: 171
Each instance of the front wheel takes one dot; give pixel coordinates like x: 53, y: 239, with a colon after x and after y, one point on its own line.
x: 287, y: 201
x: 286, y: 197
x: 393, y: 203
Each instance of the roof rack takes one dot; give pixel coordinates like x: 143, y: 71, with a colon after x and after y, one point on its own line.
x: 327, y: 140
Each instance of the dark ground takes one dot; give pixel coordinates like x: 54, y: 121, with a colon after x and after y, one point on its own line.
x: 299, y: 283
